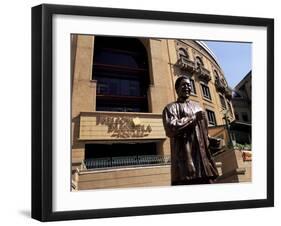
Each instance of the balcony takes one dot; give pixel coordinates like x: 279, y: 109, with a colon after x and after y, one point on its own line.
x: 203, y: 74
x: 118, y: 126
x: 185, y: 64
x: 221, y: 87
x: 228, y: 93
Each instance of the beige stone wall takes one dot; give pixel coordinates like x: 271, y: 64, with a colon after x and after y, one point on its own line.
x: 234, y: 169
x: 123, y: 178
x: 83, y: 90
x: 160, y: 90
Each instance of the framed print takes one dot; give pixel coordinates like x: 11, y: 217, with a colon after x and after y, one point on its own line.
x: 146, y: 112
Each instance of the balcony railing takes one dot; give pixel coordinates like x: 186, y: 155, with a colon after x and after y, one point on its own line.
x: 228, y: 93
x: 220, y: 85
x: 125, y: 161
x: 185, y: 64
x: 203, y: 74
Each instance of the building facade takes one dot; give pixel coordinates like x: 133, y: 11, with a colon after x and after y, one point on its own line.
x: 120, y: 87
x: 242, y: 99
x: 242, y: 104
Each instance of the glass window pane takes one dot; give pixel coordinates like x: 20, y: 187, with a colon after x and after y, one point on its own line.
x: 193, y: 89
x: 115, y: 58
x: 120, y: 68
x: 206, y: 91
x: 211, y: 117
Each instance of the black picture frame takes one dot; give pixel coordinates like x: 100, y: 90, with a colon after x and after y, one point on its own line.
x: 42, y: 108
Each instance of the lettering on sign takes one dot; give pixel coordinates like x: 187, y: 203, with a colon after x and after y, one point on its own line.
x: 124, y: 127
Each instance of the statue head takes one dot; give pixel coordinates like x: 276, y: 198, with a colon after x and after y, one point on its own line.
x: 183, y: 87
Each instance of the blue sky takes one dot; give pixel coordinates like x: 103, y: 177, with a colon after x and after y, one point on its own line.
x: 235, y: 59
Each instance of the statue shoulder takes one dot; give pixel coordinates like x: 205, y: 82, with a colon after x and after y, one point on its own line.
x: 171, y: 107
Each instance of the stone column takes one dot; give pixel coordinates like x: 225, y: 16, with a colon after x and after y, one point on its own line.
x: 83, y: 93
x: 160, y: 91
x: 83, y: 89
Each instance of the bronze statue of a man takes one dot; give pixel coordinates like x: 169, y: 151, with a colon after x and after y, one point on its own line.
x: 186, y: 124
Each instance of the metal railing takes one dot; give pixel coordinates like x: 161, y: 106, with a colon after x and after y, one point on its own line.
x: 185, y: 64
x: 219, y: 85
x: 123, y: 161
x: 203, y: 74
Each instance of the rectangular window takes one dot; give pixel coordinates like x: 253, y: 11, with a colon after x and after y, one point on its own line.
x: 211, y: 117
x: 193, y: 89
x: 206, y: 91
x: 222, y: 100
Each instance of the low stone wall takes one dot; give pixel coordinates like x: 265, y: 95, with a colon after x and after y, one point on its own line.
x: 234, y: 168
x: 123, y: 177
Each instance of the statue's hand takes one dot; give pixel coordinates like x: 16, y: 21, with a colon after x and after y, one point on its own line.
x: 193, y: 118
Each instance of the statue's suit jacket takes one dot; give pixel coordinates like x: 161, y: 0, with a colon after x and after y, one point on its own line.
x: 188, y: 130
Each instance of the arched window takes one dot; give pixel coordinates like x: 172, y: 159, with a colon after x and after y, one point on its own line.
x: 121, y: 69
x: 216, y: 74
x: 199, y: 61
x: 182, y: 53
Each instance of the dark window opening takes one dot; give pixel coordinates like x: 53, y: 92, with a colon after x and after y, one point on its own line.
x: 121, y: 104
x: 120, y: 67
x: 193, y: 89
x: 122, y: 155
x: 206, y: 91
x: 211, y: 117
x: 119, y: 150
x: 199, y: 61
x: 183, y: 53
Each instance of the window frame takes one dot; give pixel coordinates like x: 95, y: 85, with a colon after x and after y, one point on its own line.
x: 206, y: 97
x: 213, y: 114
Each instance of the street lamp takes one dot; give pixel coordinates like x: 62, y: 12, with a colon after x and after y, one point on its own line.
x: 225, y: 117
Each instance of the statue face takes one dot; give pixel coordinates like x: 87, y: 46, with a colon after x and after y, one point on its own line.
x: 184, y: 89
